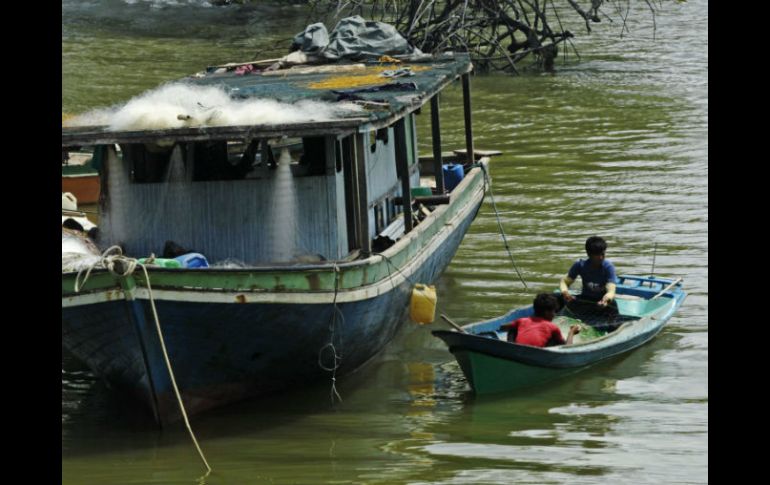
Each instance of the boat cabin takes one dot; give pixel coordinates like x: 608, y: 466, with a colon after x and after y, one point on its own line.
x: 279, y: 193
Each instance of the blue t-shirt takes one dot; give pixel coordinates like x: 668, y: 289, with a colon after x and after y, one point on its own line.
x: 594, y: 279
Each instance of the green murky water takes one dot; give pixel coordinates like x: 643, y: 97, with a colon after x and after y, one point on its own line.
x: 615, y: 145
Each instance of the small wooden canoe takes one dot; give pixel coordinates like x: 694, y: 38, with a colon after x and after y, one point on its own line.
x: 491, y: 364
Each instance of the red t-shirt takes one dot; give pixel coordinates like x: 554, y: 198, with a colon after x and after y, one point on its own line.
x: 537, y: 332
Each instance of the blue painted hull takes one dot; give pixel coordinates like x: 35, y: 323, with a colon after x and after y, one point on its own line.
x: 224, y: 352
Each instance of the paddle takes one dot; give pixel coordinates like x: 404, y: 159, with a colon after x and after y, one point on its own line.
x: 450, y: 322
x: 667, y: 288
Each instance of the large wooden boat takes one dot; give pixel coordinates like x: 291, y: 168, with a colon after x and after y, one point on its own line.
x: 329, y: 238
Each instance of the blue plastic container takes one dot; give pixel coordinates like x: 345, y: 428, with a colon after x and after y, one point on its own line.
x: 453, y: 175
x: 193, y: 260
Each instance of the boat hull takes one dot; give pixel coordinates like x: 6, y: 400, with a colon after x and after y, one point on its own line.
x: 492, y: 365
x: 491, y: 375
x: 490, y: 372
x: 221, y: 352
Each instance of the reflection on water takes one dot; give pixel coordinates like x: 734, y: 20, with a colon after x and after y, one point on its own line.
x: 615, y: 145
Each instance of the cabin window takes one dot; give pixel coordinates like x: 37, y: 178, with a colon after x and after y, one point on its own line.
x: 197, y: 161
x: 390, y: 206
x: 382, y: 135
x: 212, y: 161
x: 250, y: 155
x: 147, y: 163
x: 308, y: 155
x: 377, y: 135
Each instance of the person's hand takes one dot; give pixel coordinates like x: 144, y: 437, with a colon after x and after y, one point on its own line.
x: 605, y: 300
x: 567, y: 296
x: 574, y: 329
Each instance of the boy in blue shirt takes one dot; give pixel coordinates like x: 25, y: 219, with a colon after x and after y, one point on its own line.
x: 597, y: 274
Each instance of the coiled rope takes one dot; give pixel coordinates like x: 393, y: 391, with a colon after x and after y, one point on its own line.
x: 109, y: 261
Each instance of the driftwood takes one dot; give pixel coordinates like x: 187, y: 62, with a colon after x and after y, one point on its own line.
x: 498, y: 34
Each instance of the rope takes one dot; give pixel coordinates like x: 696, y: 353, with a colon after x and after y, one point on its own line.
x: 108, y: 261
x: 499, y: 223
x: 398, y: 270
x: 336, y: 358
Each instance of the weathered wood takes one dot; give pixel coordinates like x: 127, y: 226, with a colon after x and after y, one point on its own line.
x: 468, y: 119
x: 364, y: 241
x: 673, y: 283
x: 426, y: 199
x: 478, y: 153
x: 436, y: 134
x: 450, y: 322
x: 335, y: 68
x: 239, y: 64
x: 402, y: 167
x: 350, y: 181
x: 98, y: 135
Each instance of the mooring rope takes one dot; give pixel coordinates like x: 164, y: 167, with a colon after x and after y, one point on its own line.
x: 499, y: 223
x: 336, y: 357
x: 398, y: 270
x: 130, y: 264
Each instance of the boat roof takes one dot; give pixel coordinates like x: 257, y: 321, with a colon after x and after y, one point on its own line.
x: 318, y: 83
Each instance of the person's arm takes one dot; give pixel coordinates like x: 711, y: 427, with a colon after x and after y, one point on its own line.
x: 512, y: 328
x: 612, y: 280
x: 556, y: 337
x: 609, y: 296
x: 564, y: 285
x: 573, y: 330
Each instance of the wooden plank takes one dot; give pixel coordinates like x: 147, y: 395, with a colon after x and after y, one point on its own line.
x: 402, y: 167
x: 468, y: 119
x: 99, y: 135
x: 364, y: 241
x: 239, y: 64
x: 436, y: 135
x: 427, y: 199
x: 293, y: 71
x: 478, y: 153
x: 350, y: 180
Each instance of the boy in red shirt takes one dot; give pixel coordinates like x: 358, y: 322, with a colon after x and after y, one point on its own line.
x: 539, y: 330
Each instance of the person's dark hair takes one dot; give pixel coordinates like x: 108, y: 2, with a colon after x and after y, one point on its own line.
x: 595, y: 245
x: 544, y: 302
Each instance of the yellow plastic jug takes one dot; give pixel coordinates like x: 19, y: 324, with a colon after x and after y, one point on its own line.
x: 422, y: 308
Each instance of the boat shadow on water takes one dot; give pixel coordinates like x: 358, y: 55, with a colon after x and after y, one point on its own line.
x: 516, y: 427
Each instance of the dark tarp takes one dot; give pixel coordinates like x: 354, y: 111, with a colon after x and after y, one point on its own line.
x: 355, y: 38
